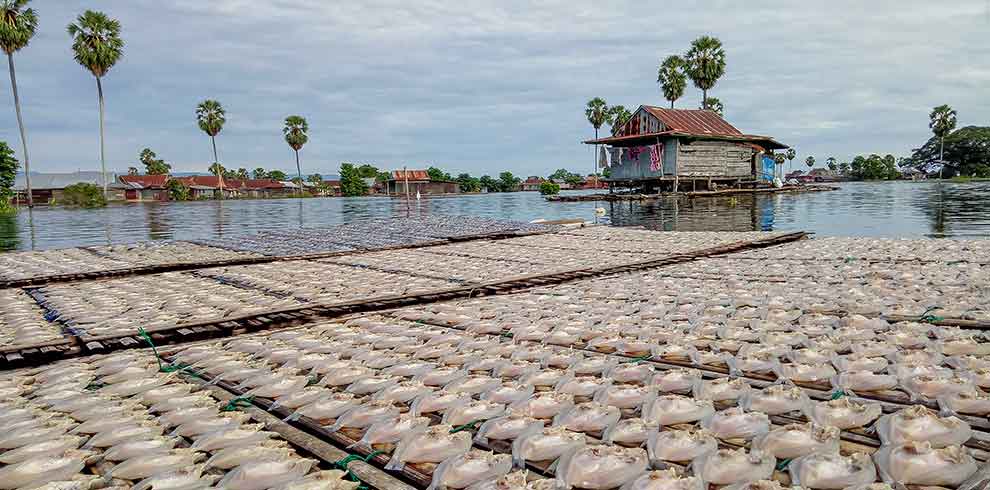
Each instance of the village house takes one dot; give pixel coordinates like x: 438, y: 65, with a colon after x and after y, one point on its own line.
x: 532, y: 183
x: 145, y: 187
x: 662, y: 149
x: 48, y: 187
x: 419, y: 181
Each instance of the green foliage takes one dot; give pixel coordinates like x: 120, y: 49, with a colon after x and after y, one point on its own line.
x: 508, y: 182
x: 606, y: 172
x: 874, y: 167
x: 383, y: 176
x: 351, y: 183
x: 488, y: 183
x: 367, y: 171
x: 177, y: 191
x: 132, y: 171
x: 810, y: 161
x: 8, y: 172
x: 84, y: 195
x: 564, y: 175
x: 620, y: 116
x: 942, y: 120
x: 671, y: 78
x: 437, y: 174
x: 210, y: 117
x: 713, y: 104
x: 779, y: 158
x: 791, y: 154
x: 96, y: 42
x: 217, y: 169
x: 705, y: 62
x: 844, y: 168
x: 258, y: 173
x: 296, y: 132
x: 315, y: 179
x: 830, y: 162
x: 548, y: 188
x: 276, y: 175
x: 17, y: 25
x: 468, y: 183
x: 597, y: 113
x: 242, y: 174
x: 152, y: 164
x: 229, y: 174
x: 967, y: 151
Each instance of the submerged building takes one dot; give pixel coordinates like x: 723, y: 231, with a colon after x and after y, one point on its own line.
x: 661, y: 149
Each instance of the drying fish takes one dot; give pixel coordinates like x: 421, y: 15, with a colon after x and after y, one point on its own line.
x: 775, y: 399
x: 764, y: 485
x: 441, y: 376
x: 470, y: 468
x: 832, y: 471
x: 281, y: 387
x: 918, y: 423
x: 326, y: 409
x: 509, y: 392
x: 473, y: 384
x: 720, y: 389
x: 31, y: 434
x: 676, y: 409
x: 506, y: 427
x: 585, y: 386
x: 795, y: 440
x: 246, y: 434
x: 810, y: 355
x: 431, y: 445
x: 805, y: 372
x: 680, y: 445
x: 364, y: 415
x: 40, y: 470
x: 917, y: 463
x: 844, y: 413
x: 390, y: 431
x: 372, y: 384
x: 665, y: 480
x: 437, y: 402
x: 544, y: 444
x: 973, y: 402
x: 589, y: 417
x: 600, y: 467
x: 472, y: 411
x: 544, y: 405
x: 139, y: 467
x: 935, y: 386
x: 736, y: 423
x: 851, y: 381
x: 726, y: 466
x: 133, y: 386
x: 403, y: 392
x: 265, y: 474
x: 234, y: 456
x: 631, y: 372
x: 322, y: 480
x: 980, y: 376
x: 98, y: 425
x: 169, y: 404
x: 223, y: 421
x: 185, y: 479
x: 58, y: 445
x: 624, y: 396
x: 129, y: 449
x: 630, y: 432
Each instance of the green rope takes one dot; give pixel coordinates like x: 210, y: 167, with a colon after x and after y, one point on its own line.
x: 850, y: 259
x: 782, y: 465
x: 507, y: 335
x: 927, y: 317
x: 95, y: 385
x: 147, y: 338
x: 237, y: 403
x: 467, y: 426
x: 838, y: 394
x: 636, y: 360
x: 344, y: 462
x: 167, y: 367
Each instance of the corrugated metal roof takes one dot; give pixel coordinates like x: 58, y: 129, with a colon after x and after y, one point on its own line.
x: 145, y: 181
x: 693, y: 121
x: 62, y: 180
x: 411, y: 174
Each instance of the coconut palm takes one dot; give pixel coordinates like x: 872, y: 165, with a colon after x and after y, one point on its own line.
x: 942, y: 121
x: 17, y: 27
x: 295, y: 135
x: 791, y: 155
x: 598, y: 114
x: 831, y: 163
x: 210, y: 116
x: 96, y: 45
x: 810, y: 162
x: 671, y: 78
x: 620, y: 116
x: 714, y: 105
x: 705, y: 63
x: 779, y: 158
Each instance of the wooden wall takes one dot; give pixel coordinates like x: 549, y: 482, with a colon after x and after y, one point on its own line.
x: 715, y: 159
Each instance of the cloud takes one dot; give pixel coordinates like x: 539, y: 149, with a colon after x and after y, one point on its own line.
x: 483, y: 87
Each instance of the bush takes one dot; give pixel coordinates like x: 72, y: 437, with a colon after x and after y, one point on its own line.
x: 84, y: 195
x: 548, y: 188
x: 177, y: 191
x: 8, y: 170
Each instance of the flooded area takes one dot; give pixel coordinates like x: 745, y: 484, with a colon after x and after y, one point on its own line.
x: 883, y: 209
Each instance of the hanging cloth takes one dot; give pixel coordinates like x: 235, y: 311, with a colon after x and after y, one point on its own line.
x: 656, y: 157
x: 603, y: 158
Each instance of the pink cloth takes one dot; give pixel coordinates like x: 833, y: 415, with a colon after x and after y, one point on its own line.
x: 656, y: 157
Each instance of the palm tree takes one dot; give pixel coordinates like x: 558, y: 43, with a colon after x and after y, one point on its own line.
x: 942, y: 121
x: 242, y: 174
x: 97, y: 46
x: 597, y: 114
x: 831, y: 163
x: 17, y: 26
x: 620, y: 116
x: 810, y: 162
x: 705, y: 64
x: 671, y: 78
x: 779, y: 158
x: 258, y: 173
x: 295, y: 135
x: 791, y: 155
x: 210, y: 116
x: 714, y: 105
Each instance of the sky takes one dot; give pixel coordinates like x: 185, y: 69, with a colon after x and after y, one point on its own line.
x: 484, y: 87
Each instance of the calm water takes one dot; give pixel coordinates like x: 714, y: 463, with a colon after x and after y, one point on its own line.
x: 897, y: 209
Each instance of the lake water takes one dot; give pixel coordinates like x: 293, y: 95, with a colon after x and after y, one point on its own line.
x: 883, y: 209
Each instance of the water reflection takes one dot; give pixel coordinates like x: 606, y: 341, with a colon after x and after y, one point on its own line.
x: 898, y: 209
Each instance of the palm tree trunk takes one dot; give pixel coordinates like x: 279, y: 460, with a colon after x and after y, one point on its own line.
x: 671, y: 104
x: 216, y: 161
x: 941, y: 153
x: 596, y: 152
x: 20, y: 124
x: 704, y: 98
x: 299, y: 173
x: 103, y: 157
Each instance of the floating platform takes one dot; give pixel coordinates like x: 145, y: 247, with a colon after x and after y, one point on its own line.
x: 787, y: 189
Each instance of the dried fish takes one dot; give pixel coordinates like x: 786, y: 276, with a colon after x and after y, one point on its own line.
x: 469, y: 468
x: 680, y: 445
x: 918, y: 423
x: 917, y: 463
x: 600, y: 467
x: 796, y: 440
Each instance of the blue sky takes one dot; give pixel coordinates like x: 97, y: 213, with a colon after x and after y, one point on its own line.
x: 483, y: 87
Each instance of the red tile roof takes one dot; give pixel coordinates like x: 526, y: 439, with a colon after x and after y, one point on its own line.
x: 533, y: 180
x: 411, y: 174
x: 261, y: 184
x: 693, y: 121
x: 145, y: 181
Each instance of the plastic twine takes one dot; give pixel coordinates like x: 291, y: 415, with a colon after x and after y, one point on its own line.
x: 467, y: 426
x: 344, y: 462
x: 237, y: 403
x: 929, y: 318
x: 637, y: 360
x: 837, y: 394
x: 147, y: 338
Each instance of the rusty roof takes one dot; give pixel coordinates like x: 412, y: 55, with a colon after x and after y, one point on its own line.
x: 145, y: 181
x: 693, y: 121
x: 410, y: 174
